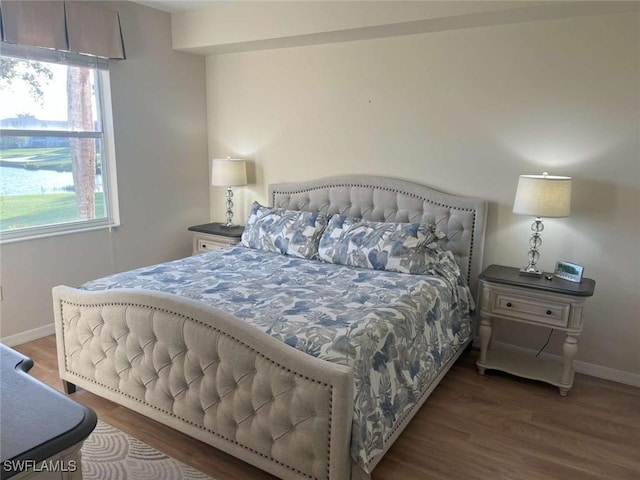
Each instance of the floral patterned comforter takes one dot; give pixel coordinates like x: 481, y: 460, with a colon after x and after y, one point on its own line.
x: 395, y: 330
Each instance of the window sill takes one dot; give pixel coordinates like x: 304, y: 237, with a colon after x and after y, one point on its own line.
x: 34, y: 236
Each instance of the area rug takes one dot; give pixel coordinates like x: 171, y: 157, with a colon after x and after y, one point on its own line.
x: 109, y: 453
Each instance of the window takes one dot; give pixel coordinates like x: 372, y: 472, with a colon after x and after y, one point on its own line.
x: 57, y: 165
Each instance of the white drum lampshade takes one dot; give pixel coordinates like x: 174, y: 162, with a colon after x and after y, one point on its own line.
x: 228, y: 172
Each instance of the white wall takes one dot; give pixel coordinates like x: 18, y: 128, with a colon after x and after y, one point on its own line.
x: 466, y: 111
x: 159, y: 118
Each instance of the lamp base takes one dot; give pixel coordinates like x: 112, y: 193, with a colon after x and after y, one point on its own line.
x: 229, y: 203
x: 531, y: 269
x: 530, y: 273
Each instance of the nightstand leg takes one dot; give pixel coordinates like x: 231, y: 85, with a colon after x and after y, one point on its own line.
x: 569, y: 350
x: 486, y: 332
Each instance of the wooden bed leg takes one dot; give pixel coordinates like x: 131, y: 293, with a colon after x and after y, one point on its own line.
x: 68, y: 387
x: 468, y: 348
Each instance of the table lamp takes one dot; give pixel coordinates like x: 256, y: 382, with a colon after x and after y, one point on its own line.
x: 228, y: 173
x: 541, y: 196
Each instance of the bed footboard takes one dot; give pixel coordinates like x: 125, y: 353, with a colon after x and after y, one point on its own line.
x: 209, y: 375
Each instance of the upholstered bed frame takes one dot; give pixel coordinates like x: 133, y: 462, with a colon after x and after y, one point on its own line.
x: 215, y: 378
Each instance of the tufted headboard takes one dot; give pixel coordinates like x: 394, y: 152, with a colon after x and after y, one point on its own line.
x: 393, y: 200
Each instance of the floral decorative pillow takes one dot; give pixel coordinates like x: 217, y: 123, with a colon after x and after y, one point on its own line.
x: 284, y: 231
x: 397, y: 247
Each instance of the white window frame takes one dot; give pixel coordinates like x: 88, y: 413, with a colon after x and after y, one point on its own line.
x: 108, y: 165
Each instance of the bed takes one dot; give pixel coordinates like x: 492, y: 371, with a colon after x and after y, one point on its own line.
x: 212, y: 345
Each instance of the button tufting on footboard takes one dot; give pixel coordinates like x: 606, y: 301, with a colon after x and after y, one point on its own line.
x: 165, y: 366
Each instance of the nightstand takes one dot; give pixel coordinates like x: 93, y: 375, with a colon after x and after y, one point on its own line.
x: 555, y: 303
x: 212, y: 236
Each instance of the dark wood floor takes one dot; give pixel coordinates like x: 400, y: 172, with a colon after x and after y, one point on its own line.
x: 472, y: 427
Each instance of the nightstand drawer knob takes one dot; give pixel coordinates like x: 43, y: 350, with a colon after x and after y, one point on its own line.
x: 509, y: 304
x: 549, y: 312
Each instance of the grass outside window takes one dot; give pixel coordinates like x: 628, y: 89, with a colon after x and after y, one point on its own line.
x: 23, y: 211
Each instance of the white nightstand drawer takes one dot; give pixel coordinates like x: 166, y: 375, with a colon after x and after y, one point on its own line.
x: 209, y: 245
x: 542, y: 310
x: 207, y: 242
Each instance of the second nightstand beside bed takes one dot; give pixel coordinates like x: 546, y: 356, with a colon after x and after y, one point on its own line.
x: 212, y: 236
x: 555, y: 303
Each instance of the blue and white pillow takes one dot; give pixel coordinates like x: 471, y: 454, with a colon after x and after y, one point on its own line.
x: 396, y: 247
x: 288, y: 232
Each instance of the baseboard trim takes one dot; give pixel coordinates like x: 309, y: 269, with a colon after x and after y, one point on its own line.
x: 591, y: 369
x: 29, y: 335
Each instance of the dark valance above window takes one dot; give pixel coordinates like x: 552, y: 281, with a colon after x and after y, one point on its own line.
x: 74, y: 26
